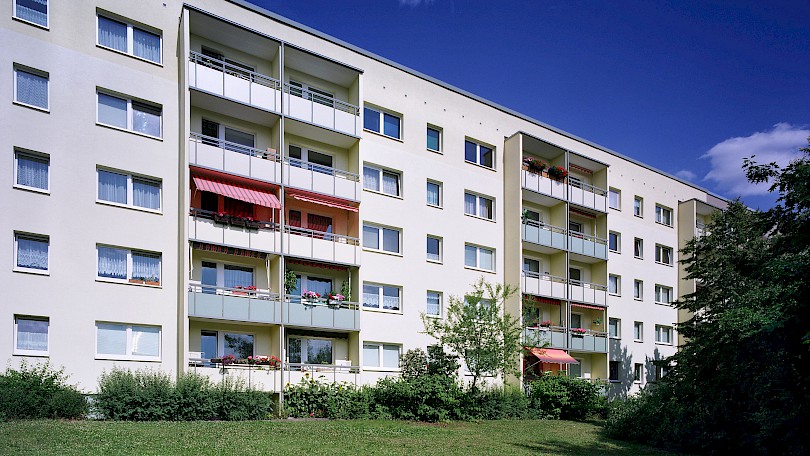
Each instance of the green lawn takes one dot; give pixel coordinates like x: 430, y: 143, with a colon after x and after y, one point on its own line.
x: 311, y: 438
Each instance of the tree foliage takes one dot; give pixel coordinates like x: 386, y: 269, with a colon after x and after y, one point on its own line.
x: 477, y: 329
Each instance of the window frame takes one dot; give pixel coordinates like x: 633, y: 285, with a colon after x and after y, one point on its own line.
x: 441, y: 303
x: 305, y: 341
x: 638, y: 206
x: 28, y: 352
x: 660, y: 249
x: 659, y: 215
x: 35, y: 156
x: 478, y: 198
x: 381, y: 112
x: 131, y: 26
x: 129, y: 114
x: 129, y: 356
x: 381, y: 356
x: 38, y: 73
x: 478, y: 155
x: 438, y: 130
x: 32, y: 237
x: 381, y: 297
x: 380, y: 238
x: 618, y: 280
x: 638, y: 290
x: 131, y: 178
x: 640, y: 243
x: 661, y: 329
x: 638, y: 372
x: 47, y: 25
x: 440, y: 240
x: 440, y: 187
x: 618, y: 194
x: 638, y: 330
x: 478, y: 249
x: 618, y: 365
x: 618, y: 237
x: 129, y: 279
x: 618, y: 326
x: 381, y: 171
x: 658, y: 291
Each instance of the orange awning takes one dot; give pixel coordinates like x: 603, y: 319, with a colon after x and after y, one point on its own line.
x: 324, y: 202
x: 587, y: 306
x: 552, y: 355
x: 238, y: 192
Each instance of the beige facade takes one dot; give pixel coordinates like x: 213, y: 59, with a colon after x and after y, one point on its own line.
x: 192, y: 159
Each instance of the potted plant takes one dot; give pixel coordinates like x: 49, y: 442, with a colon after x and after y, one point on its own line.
x: 545, y: 324
x: 578, y: 332
x: 290, y: 282
x: 334, y: 299
x: 533, y: 165
x: 221, y: 217
x: 252, y: 224
x: 154, y: 281
x: 557, y: 172
x: 310, y: 297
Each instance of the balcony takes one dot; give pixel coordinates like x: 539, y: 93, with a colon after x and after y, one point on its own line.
x: 299, y: 312
x: 322, y: 179
x: 217, y: 77
x: 700, y: 230
x: 269, y: 379
x: 321, y: 110
x: 233, y: 158
x: 553, y: 336
x: 205, y: 226
x: 588, y: 245
x: 543, y: 285
x: 592, y: 341
x: 588, y: 293
x: 541, y: 184
x: 541, y: 234
x: 321, y: 246
x: 234, y: 304
x: 587, y: 195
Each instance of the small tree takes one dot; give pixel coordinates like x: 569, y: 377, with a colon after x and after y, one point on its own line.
x: 477, y: 329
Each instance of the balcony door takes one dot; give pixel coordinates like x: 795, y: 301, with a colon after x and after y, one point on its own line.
x: 308, y: 92
x: 575, y: 275
x: 236, y: 140
x: 209, y: 278
x: 576, y: 320
x: 320, y: 285
x: 317, y: 161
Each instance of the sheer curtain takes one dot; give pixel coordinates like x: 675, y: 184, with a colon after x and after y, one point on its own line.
x: 236, y: 276
x: 35, y: 11
x: 371, y: 296
x: 146, y: 45
x: 146, y: 266
x: 145, y: 194
x: 146, y: 118
x: 112, y: 187
x: 112, y: 263
x: 32, y: 253
x: 469, y: 204
x: 32, y: 171
x: 432, y: 194
x: 32, y: 89
x: 111, y: 339
x: 390, y: 298
x: 371, y: 178
x: 112, y: 34
x: 146, y: 340
x: 391, y: 184
x: 32, y: 335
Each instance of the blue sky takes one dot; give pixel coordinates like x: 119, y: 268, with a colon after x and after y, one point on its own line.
x: 688, y: 87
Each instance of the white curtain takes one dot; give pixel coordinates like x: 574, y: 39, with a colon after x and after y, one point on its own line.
x: 485, y: 259
x: 390, y: 298
x: 236, y: 276
x: 112, y: 34
x: 32, y: 253
x: 32, y: 89
x: 371, y: 237
x: 146, y: 266
x: 432, y: 194
x: 32, y: 334
x: 146, y: 340
x: 484, y: 208
x: 112, y: 187
x: 390, y: 356
x: 111, y: 339
x: 32, y: 171
x: 433, y: 303
x: 371, y: 296
x: 35, y: 11
x: 371, y: 178
x: 470, y: 256
x: 371, y: 355
x: 112, y: 110
x: 112, y: 262
x: 146, y: 45
x: 391, y: 184
x: 146, y: 118
x: 145, y: 194
x: 469, y: 204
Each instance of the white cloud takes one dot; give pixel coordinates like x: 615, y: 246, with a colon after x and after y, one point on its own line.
x: 780, y: 145
x: 414, y: 3
x: 685, y: 174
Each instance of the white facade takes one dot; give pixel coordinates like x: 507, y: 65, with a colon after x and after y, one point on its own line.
x: 273, y: 148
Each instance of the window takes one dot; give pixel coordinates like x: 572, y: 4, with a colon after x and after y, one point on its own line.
x: 381, y: 355
x: 575, y: 276
x: 638, y: 331
x: 575, y: 227
x: 129, y: 39
x: 31, y: 87
x: 638, y: 248
x: 129, y: 114
x: 120, y: 264
x: 663, y: 334
x: 128, y: 190
x: 531, y: 265
x: 381, y: 180
x: 638, y: 206
x: 34, y: 11
x: 434, y: 304
x: 479, y: 257
x: 638, y: 372
x: 298, y: 89
x: 614, y: 242
x: 30, y: 335
x: 479, y: 154
x: 614, y: 328
x: 374, y: 118
x: 434, y: 138
x: 614, y: 285
x: 663, y: 295
x: 240, y: 346
x: 307, y: 350
x: 434, y: 194
x: 380, y: 238
x: 663, y: 254
x: 232, y: 138
x: 638, y: 289
x: 434, y: 249
x: 122, y: 341
x: 320, y: 285
x: 384, y: 297
x: 614, y: 198
x: 32, y: 170
x: 31, y: 252
x: 660, y: 372
x: 663, y: 215
x: 575, y: 370
x: 615, y: 368
x: 479, y: 206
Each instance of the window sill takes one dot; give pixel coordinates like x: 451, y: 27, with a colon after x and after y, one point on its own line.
x: 434, y: 261
x: 615, y: 251
x: 382, y: 193
x: 472, y: 268
x: 24, y: 21
x: 31, y: 271
x: 638, y: 216
x: 436, y: 317
x: 663, y: 224
x: 638, y: 299
x: 440, y: 152
x: 137, y: 133
x: 385, y: 311
x: 480, y: 166
x: 618, y: 295
x: 384, y: 252
x: 35, y: 108
x: 614, y: 381
x: 30, y: 353
x: 126, y: 358
x: 382, y: 135
x: 666, y: 344
x: 434, y: 206
x: 638, y: 341
x: 127, y: 206
x: 615, y: 208
x: 380, y: 369
x: 492, y: 220
x: 159, y: 64
x: 32, y: 189
x: 126, y: 282
x: 638, y: 257
x: 663, y: 264
x: 615, y: 338
x: 663, y: 303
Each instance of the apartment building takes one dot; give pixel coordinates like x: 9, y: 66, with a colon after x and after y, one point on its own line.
x: 194, y: 181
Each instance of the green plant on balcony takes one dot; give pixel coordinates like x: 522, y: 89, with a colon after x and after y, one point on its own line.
x: 533, y: 165
x: 557, y: 172
x: 334, y: 300
x: 290, y: 282
x: 578, y: 332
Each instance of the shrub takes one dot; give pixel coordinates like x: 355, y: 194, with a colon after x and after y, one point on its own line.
x: 426, y: 398
x: 413, y: 363
x: 194, y: 398
x: 38, y: 391
x: 237, y: 402
x: 496, y: 404
x: 311, y: 398
x: 556, y: 396
x: 139, y: 396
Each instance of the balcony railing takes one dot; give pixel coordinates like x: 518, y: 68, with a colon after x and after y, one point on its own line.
x: 234, y: 304
x: 206, y: 226
x: 587, y: 244
x: 589, y: 293
x: 321, y: 110
x: 700, y: 229
x: 541, y: 184
x: 266, y: 378
x: 543, y: 285
x: 230, y: 81
x: 554, y: 336
x: 233, y: 158
x: 593, y: 341
x: 587, y: 195
x: 543, y: 234
x: 322, y: 179
x: 320, y: 314
x: 319, y: 245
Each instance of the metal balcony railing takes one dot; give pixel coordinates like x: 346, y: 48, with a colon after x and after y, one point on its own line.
x: 234, y: 147
x: 315, y: 168
x: 337, y: 238
x: 233, y: 70
x: 321, y: 99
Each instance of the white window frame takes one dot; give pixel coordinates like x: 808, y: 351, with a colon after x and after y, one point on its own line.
x: 618, y: 241
x: 640, y: 242
x: 618, y: 193
x: 441, y: 138
x: 660, y: 219
x: 478, y: 198
x: 640, y: 326
x: 130, y: 113
x: 36, y: 72
x: 380, y: 356
x: 27, y: 352
x: 638, y: 372
x: 659, y: 254
x: 618, y: 325
x: 380, y: 237
x: 381, y: 117
x: 129, y: 356
x: 478, y: 249
x: 659, y: 331
x: 130, y: 36
x: 380, y: 297
x: 478, y: 145
x: 130, y: 193
x: 47, y: 16
x: 441, y: 193
x: 659, y: 289
x: 129, y: 266
x: 36, y: 156
x: 441, y: 250
x: 441, y: 304
x: 221, y: 340
x: 33, y: 236
x: 380, y: 172
x: 618, y: 279
x: 638, y: 289
x: 221, y: 127
x: 638, y: 206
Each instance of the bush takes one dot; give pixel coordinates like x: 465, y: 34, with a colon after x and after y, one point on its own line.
x: 38, y: 391
x: 496, y: 404
x: 426, y: 398
x: 238, y: 402
x: 194, y: 398
x: 311, y: 398
x: 556, y: 396
x: 138, y: 396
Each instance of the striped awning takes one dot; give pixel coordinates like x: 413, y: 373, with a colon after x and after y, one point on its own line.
x: 587, y: 306
x: 541, y: 299
x: 237, y: 191
x: 324, y: 201
x: 552, y: 355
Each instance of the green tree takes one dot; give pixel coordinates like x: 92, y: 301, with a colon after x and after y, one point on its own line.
x: 477, y: 329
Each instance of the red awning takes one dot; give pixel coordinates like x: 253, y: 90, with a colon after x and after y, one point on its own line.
x: 587, y: 306
x: 324, y: 202
x: 541, y: 300
x: 237, y: 191
x: 552, y: 355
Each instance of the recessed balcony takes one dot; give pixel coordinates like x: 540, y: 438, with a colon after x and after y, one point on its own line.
x: 318, y: 109
x: 543, y: 285
x: 233, y: 158
x: 554, y: 336
x: 322, y: 179
x: 592, y: 341
x: 245, y: 233
x: 235, y: 83
x: 233, y: 304
x: 587, y: 195
x: 589, y: 293
x: 321, y: 246
x: 542, y: 234
x: 322, y: 314
x: 588, y: 245
x: 542, y: 184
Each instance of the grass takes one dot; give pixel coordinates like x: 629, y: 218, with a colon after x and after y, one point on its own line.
x: 311, y: 438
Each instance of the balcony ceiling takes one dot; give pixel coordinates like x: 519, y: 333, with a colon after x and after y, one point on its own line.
x: 318, y: 133
x: 540, y: 148
x: 229, y: 35
x: 224, y: 106
x: 320, y: 67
